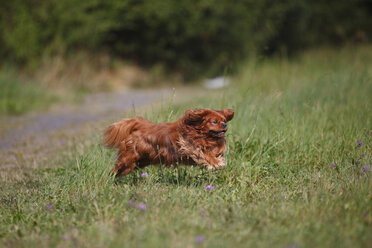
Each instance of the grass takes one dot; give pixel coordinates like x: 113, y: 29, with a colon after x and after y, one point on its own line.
x: 17, y: 98
x: 292, y: 120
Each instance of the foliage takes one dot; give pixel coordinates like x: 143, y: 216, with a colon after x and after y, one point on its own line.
x: 192, y: 37
x: 296, y: 173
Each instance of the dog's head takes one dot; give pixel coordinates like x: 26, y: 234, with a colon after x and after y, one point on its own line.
x: 212, y: 123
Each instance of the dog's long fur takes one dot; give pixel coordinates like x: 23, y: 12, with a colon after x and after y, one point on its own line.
x: 195, y: 138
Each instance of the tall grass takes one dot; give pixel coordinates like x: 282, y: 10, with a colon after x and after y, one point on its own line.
x: 296, y: 174
x: 17, y: 97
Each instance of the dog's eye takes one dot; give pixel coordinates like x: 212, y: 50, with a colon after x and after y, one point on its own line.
x: 215, y: 121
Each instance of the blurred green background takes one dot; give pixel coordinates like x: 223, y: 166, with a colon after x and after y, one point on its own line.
x: 52, y: 50
x: 192, y: 37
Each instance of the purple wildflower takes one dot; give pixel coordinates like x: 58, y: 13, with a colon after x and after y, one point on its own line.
x: 202, y: 212
x: 144, y: 175
x: 64, y: 237
x: 200, y: 238
x: 359, y: 143
x: 292, y: 246
x: 363, y: 155
x: 209, y: 187
x: 142, y: 206
x: 365, y: 213
x: 132, y: 203
x: 367, y: 168
x: 333, y: 164
x: 49, y: 206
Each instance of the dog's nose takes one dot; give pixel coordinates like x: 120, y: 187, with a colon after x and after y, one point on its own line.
x: 224, y: 125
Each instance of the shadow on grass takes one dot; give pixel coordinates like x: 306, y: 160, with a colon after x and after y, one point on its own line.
x: 190, y: 176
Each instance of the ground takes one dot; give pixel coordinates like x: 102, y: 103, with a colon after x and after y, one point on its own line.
x: 297, y: 175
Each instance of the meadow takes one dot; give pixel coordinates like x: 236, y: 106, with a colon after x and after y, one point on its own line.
x: 17, y: 98
x: 298, y: 173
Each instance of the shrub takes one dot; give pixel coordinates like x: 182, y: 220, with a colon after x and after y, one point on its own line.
x: 189, y: 36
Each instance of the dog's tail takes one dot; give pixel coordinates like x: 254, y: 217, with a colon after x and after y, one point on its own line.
x: 117, y: 132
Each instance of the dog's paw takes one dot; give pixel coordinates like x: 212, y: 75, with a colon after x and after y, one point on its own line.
x: 218, y: 164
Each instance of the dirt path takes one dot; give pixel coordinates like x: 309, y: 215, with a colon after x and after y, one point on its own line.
x: 31, y: 138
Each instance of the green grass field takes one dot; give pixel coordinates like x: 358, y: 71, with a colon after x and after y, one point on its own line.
x: 17, y: 98
x: 296, y: 174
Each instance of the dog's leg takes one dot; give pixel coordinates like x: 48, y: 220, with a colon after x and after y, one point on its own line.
x: 125, y: 170
x: 214, y: 162
x: 125, y: 164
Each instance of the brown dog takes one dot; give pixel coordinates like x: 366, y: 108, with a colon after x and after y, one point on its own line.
x: 198, y: 137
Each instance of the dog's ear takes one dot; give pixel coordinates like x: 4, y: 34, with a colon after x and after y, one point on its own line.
x: 196, y: 116
x: 228, y: 113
